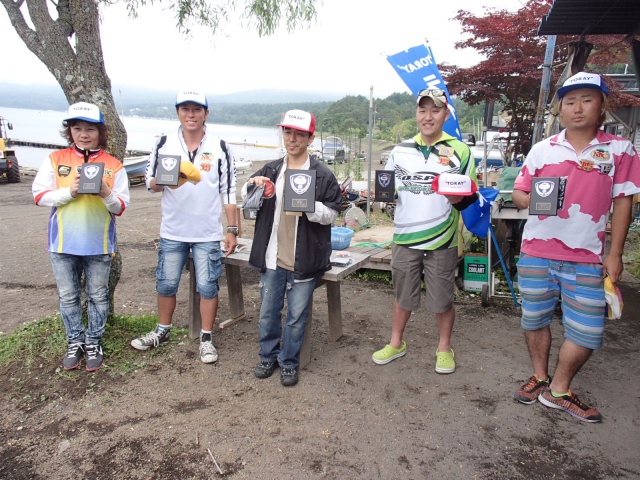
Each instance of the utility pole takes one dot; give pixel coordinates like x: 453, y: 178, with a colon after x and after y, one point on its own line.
x: 544, y: 90
x: 370, y: 152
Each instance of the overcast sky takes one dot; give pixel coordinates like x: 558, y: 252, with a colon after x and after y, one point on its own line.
x: 343, y: 52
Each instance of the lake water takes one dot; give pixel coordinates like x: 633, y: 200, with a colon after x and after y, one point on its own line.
x: 44, y: 126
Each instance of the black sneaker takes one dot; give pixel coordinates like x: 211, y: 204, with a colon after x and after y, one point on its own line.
x: 265, y: 369
x: 94, y: 357
x: 288, y: 376
x: 73, y: 358
x: 153, y: 339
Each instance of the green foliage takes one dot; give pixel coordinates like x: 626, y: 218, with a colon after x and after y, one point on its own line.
x: 44, y: 342
x: 356, y: 169
x: 379, y: 276
x: 265, y: 16
x: 349, y: 118
x: 631, y: 255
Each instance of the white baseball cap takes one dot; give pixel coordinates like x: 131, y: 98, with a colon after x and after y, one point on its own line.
x: 194, y: 96
x: 454, y: 184
x: 299, y: 120
x: 87, y: 112
x: 583, y: 80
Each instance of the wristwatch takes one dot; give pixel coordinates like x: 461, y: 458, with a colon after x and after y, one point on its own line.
x: 233, y: 229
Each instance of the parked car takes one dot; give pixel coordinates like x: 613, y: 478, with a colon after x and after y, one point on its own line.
x: 469, y: 139
x: 361, y: 156
x: 333, y: 154
x: 384, y: 156
x: 494, y: 155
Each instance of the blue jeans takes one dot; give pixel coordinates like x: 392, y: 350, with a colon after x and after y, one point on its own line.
x: 172, y: 257
x: 273, y: 286
x: 68, y: 271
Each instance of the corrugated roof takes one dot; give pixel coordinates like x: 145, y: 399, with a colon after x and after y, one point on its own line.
x: 591, y: 17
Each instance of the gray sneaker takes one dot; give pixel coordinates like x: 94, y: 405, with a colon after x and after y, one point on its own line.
x: 152, y: 339
x: 94, y: 357
x: 208, y: 353
x: 73, y: 358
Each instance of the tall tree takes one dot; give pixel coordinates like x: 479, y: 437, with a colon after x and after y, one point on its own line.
x: 70, y: 47
x: 511, y: 72
x: 69, y: 43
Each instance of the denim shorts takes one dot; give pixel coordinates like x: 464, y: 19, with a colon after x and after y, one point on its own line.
x: 542, y: 281
x: 172, y: 257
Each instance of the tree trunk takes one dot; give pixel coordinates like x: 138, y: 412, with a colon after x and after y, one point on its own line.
x: 71, y: 49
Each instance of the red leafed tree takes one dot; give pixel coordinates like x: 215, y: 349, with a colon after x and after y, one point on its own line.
x: 512, y: 71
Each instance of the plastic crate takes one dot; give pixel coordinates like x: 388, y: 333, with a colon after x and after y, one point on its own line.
x: 340, y: 237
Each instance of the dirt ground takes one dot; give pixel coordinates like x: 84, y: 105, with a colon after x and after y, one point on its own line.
x: 347, y: 418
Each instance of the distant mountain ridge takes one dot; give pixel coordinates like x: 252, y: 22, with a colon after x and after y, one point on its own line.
x: 50, y: 97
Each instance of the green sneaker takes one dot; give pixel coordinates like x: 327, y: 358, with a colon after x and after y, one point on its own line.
x: 445, y: 362
x: 388, y: 353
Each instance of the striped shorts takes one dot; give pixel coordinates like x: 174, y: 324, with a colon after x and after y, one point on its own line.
x: 542, y: 281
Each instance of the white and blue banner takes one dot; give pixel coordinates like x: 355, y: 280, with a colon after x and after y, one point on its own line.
x: 418, y: 70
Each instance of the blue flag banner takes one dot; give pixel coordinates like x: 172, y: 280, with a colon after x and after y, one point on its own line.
x: 418, y: 70
x: 477, y: 216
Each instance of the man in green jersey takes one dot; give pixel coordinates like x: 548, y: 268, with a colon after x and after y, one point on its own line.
x: 426, y: 227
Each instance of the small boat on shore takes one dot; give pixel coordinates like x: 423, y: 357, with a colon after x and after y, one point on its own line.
x: 242, y: 165
x: 135, y: 166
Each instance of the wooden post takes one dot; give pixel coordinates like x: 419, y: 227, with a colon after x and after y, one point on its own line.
x: 335, y: 310
x: 235, y: 294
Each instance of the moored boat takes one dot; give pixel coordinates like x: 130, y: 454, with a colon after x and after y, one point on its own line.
x: 135, y: 166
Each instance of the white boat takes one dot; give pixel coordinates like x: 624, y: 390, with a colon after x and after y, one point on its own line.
x: 135, y: 166
x: 242, y: 165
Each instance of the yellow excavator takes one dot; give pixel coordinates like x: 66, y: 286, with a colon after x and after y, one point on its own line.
x: 9, y: 166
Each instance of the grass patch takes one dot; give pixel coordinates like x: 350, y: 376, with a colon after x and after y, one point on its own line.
x: 44, y: 342
x: 631, y: 255
x: 378, y: 276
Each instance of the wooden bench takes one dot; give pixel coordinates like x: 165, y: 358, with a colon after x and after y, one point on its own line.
x: 232, y: 265
x: 379, y: 258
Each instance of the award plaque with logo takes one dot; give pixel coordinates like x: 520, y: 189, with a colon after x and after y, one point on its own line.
x: 545, y: 196
x: 91, y: 178
x: 168, y: 172
x: 385, y: 186
x: 299, y: 191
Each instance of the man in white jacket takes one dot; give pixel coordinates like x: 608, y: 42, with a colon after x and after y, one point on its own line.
x: 191, y: 215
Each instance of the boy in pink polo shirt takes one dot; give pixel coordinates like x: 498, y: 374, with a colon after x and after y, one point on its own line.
x: 563, y: 254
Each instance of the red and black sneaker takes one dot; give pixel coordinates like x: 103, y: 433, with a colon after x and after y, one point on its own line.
x: 528, y: 393
x: 571, y: 404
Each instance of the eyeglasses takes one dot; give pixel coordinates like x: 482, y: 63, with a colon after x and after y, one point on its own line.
x: 431, y: 92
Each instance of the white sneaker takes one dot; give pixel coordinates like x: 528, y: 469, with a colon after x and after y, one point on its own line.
x: 208, y: 353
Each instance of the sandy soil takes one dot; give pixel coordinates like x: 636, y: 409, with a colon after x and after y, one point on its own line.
x: 347, y: 418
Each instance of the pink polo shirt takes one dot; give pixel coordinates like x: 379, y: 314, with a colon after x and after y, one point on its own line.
x: 608, y: 168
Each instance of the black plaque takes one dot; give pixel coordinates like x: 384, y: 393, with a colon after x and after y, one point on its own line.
x: 168, y: 172
x: 385, y: 186
x: 299, y: 191
x: 544, y: 196
x: 249, y: 214
x: 91, y: 178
